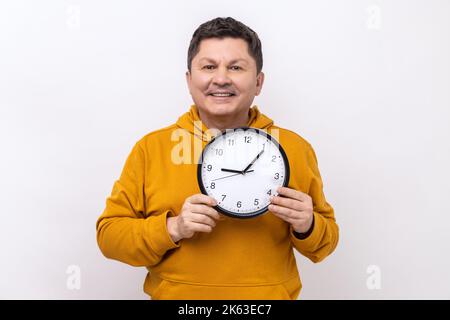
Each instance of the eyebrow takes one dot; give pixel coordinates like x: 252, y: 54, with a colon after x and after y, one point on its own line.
x: 231, y: 62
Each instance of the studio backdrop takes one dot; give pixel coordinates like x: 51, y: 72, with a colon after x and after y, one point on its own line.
x: 367, y: 83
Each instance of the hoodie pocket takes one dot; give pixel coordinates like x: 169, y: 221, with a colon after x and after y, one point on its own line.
x: 173, y: 290
x: 155, y: 295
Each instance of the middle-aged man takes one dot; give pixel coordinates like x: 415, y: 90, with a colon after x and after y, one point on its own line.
x: 157, y: 217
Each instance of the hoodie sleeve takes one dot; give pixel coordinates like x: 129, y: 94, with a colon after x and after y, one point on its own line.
x: 323, y: 238
x: 124, y: 233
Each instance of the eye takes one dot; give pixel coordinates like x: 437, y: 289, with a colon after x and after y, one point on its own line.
x: 235, y: 68
x: 208, y: 67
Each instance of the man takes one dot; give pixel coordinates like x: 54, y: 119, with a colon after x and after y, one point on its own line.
x: 156, y: 216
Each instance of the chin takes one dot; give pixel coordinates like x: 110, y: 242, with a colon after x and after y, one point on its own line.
x: 221, y: 109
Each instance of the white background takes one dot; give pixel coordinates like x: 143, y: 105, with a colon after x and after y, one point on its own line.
x: 367, y: 83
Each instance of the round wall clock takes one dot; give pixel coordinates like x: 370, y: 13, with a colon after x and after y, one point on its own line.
x: 241, y: 168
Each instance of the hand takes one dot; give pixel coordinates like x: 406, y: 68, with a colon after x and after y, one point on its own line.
x: 251, y: 163
x: 295, y: 207
x: 196, y: 216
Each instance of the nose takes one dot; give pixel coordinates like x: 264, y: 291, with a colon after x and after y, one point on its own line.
x: 221, y: 77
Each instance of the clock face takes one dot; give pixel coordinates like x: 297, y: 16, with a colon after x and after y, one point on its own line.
x: 241, y: 168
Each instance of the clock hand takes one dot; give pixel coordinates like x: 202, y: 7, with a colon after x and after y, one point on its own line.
x: 232, y: 175
x: 231, y: 170
x: 256, y: 158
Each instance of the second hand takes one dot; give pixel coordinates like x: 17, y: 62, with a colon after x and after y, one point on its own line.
x: 231, y: 175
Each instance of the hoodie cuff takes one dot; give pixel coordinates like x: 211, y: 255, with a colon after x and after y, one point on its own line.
x: 306, y: 234
x: 157, y: 234
x: 310, y: 240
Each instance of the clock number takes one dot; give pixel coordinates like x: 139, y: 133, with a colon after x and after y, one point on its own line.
x: 274, y: 158
x: 247, y: 139
x: 209, y: 167
x: 219, y: 152
x: 277, y: 176
x: 213, y: 185
x: 239, y: 204
x: 224, y: 196
x: 269, y: 192
x: 230, y: 142
x: 256, y: 202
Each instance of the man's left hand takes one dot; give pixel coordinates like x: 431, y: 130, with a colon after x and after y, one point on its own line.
x: 294, y: 207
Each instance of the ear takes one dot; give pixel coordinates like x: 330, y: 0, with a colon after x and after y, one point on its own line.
x: 259, y: 82
x: 188, y: 80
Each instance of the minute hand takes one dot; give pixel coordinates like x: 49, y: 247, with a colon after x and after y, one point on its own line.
x: 251, y: 163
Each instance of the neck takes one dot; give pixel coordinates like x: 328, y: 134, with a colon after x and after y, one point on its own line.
x: 224, y: 122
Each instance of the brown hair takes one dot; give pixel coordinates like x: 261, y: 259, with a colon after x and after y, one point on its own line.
x: 222, y: 28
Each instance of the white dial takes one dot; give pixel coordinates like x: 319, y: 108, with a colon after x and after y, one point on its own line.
x: 241, y: 168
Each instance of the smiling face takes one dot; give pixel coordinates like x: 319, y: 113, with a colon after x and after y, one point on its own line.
x: 223, y: 81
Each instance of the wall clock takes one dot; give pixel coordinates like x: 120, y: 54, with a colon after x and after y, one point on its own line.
x: 241, y: 168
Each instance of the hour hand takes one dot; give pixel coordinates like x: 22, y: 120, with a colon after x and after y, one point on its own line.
x: 231, y: 170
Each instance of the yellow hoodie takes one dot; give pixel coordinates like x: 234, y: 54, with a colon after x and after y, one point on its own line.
x: 240, y: 258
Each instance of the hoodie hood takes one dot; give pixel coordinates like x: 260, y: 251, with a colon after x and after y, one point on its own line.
x: 191, y: 121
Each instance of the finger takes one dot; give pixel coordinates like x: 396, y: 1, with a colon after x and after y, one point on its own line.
x: 285, y: 218
x: 293, y: 221
x: 200, y: 227
x: 205, y: 210
x: 292, y: 193
x: 200, y: 198
x: 203, y: 219
x: 289, y: 213
x: 287, y: 202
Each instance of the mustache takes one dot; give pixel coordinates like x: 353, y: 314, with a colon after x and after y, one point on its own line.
x: 222, y: 90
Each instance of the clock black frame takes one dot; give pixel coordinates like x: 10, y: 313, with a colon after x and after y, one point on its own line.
x: 224, y: 132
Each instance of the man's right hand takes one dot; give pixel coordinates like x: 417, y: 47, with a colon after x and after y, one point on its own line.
x: 197, y: 215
